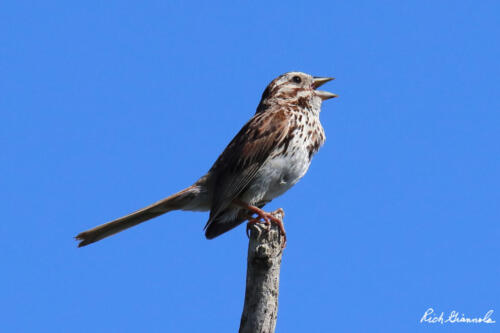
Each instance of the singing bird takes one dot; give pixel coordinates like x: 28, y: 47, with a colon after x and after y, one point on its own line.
x: 269, y: 155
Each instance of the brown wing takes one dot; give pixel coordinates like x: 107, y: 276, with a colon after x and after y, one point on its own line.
x: 246, y: 153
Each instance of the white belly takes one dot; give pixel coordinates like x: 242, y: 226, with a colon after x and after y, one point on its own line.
x: 282, y: 169
x: 287, y: 172
x: 278, y: 175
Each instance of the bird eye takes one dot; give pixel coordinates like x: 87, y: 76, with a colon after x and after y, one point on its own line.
x: 297, y: 79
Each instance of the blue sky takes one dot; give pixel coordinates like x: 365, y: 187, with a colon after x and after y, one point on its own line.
x: 109, y: 106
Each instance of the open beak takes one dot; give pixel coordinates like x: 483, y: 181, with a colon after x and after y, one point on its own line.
x: 318, y: 82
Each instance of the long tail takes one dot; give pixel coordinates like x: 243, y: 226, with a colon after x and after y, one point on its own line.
x: 173, y: 202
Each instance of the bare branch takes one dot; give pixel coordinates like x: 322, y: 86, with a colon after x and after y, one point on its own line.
x: 263, y: 276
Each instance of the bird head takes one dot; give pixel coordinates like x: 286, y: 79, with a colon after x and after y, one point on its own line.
x: 295, y: 86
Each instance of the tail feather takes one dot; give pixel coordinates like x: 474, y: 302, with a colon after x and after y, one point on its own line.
x: 228, y: 219
x: 173, y: 202
x: 225, y: 221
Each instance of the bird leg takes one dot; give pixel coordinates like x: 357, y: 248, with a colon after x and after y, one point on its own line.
x: 262, y: 217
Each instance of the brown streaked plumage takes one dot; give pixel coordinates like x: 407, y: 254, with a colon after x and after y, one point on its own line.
x: 267, y: 157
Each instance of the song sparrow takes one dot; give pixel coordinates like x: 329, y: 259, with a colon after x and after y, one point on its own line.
x: 266, y: 158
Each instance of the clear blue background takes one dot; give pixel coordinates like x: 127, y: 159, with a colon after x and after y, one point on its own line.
x: 109, y: 106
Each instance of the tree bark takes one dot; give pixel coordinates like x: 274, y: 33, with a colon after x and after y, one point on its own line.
x: 263, y: 276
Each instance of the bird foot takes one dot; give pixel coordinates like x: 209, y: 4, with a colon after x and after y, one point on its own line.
x: 265, y: 218
x: 252, y: 221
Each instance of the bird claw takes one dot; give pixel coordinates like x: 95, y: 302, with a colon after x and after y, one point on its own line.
x: 280, y: 225
x: 265, y: 216
x: 253, y: 221
x: 267, y: 219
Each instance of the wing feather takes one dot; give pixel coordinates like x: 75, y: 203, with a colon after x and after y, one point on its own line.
x: 244, y: 156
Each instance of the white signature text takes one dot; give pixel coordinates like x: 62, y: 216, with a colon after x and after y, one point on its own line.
x: 432, y: 317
